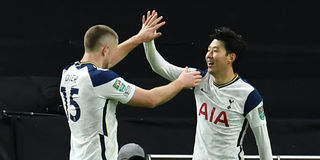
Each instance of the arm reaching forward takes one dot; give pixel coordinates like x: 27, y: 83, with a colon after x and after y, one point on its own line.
x: 159, y: 95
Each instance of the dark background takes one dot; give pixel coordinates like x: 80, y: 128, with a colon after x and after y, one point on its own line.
x: 38, y: 38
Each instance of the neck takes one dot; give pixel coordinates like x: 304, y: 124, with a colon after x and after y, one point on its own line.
x: 224, y: 77
x: 92, y: 58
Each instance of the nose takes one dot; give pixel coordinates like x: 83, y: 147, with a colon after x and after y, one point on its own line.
x: 209, y: 54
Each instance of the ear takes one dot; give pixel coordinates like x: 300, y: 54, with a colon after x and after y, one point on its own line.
x: 105, y: 50
x: 232, y: 57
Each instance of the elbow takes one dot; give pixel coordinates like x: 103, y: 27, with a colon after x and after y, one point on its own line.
x: 153, y: 103
x: 160, y: 70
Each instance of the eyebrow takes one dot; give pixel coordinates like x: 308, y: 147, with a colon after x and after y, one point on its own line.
x: 214, y: 47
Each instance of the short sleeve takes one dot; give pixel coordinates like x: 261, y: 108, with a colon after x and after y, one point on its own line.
x: 117, y: 89
x: 253, y: 109
x: 256, y: 117
x: 109, y: 85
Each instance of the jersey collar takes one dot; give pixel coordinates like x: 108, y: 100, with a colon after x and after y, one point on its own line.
x: 235, y: 78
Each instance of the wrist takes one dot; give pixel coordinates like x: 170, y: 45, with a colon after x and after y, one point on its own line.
x: 136, y: 39
x: 179, y: 83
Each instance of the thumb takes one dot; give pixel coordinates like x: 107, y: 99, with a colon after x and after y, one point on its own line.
x: 186, y: 69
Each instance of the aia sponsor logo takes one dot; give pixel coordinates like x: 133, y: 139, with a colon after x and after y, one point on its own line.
x: 221, y: 118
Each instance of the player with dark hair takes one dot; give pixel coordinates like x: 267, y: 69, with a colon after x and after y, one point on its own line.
x: 90, y: 91
x: 226, y: 103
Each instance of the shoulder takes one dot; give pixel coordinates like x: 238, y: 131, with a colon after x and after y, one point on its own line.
x: 253, y: 97
x: 68, y: 66
x: 97, y: 75
x: 203, y: 72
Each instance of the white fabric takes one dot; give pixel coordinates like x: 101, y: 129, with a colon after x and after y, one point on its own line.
x: 263, y: 143
x: 94, y: 132
x: 222, y: 112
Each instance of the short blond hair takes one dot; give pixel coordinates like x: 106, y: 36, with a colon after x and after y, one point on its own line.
x: 97, y: 36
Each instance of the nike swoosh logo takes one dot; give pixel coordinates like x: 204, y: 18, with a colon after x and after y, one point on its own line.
x: 201, y: 89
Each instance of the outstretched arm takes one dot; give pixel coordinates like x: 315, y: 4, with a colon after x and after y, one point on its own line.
x: 146, y: 33
x: 159, y: 95
x: 159, y: 64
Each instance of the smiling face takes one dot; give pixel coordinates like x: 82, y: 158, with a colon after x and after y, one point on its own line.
x: 218, y: 61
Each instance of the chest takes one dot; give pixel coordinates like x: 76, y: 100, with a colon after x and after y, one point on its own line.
x: 220, y: 107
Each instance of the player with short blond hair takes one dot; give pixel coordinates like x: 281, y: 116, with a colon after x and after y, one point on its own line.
x: 90, y: 91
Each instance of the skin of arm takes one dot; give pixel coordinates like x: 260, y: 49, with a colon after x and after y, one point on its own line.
x: 159, y: 95
x: 146, y: 33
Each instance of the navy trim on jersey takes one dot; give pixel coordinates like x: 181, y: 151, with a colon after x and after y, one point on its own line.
x: 68, y: 66
x: 252, y: 101
x: 103, y: 147
x: 240, y: 152
x: 98, y: 77
x: 242, y: 132
x: 104, y: 124
x: 203, y: 72
x: 244, y: 125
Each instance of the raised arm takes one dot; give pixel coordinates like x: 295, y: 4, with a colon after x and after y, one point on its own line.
x: 146, y: 33
x: 159, y: 95
x: 159, y: 64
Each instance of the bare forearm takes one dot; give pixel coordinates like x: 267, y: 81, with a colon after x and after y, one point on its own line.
x: 123, y: 49
x: 163, y: 94
x: 159, y: 95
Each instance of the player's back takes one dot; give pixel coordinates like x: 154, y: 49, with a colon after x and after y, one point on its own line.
x: 91, y: 115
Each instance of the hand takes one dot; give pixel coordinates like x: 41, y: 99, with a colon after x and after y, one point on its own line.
x: 150, y: 25
x: 190, y: 79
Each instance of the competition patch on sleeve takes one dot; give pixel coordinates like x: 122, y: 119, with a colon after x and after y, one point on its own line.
x: 127, y: 92
x: 119, y: 86
x: 261, y: 113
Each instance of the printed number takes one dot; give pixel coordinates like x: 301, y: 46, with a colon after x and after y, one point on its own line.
x: 71, y: 102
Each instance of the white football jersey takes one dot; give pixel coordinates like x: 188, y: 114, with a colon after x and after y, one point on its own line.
x: 90, y: 96
x: 223, y: 115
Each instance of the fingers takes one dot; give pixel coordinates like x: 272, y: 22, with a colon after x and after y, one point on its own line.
x: 197, y: 77
x: 143, y: 19
x: 150, y: 24
x: 197, y: 81
x: 156, y: 21
x: 151, y: 17
x: 152, y: 20
x: 157, y: 26
x: 156, y: 35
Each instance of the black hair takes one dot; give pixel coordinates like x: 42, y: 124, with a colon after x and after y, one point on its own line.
x: 233, y: 42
